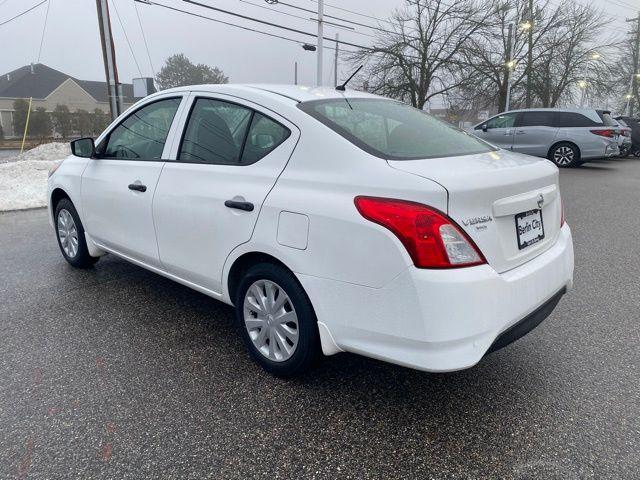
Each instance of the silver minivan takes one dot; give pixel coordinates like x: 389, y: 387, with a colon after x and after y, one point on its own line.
x: 567, y: 137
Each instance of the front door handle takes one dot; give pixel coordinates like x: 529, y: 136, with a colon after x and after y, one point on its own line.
x: 138, y: 187
x: 246, y: 206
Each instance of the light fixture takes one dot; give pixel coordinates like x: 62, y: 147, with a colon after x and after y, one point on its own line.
x: 582, y: 83
x: 595, y: 56
x: 525, y: 25
x: 511, y: 64
x: 309, y: 47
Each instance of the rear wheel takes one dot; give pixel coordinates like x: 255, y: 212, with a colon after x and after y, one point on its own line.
x: 564, y: 155
x: 277, y: 321
x: 70, y: 235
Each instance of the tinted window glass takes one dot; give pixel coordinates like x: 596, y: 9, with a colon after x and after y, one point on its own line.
x: 142, y: 135
x: 393, y: 130
x: 535, y: 119
x: 572, y: 119
x: 215, y: 132
x: 504, y: 120
x: 264, y: 135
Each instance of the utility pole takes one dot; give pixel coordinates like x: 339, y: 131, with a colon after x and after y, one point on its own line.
x: 635, y: 78
x: 530, y: 55
x: 335, y: 63
x: 109, y: 55
x: 510, y: 64
x: 319, y: 46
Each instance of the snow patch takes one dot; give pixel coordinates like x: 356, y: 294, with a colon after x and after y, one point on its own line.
x: 23, y: 178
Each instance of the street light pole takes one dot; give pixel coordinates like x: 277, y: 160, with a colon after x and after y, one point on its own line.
x: 109, y: 54
x: 636, y: 67
x: 510, y: 64
x: 335, y: 62
x: 530, y: 56
x: 319, y: 46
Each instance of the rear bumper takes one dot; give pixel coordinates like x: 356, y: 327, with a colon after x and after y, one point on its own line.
x: 441, y: 320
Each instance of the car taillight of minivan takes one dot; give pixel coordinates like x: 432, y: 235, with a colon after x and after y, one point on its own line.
x: 609, y: 133
x: 431, y: 238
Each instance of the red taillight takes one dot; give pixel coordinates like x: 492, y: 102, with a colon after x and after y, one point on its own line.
x: 605, y: 133
x: 625, y: 133
x: 432, y: 239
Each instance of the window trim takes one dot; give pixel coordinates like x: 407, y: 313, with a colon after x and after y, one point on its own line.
x: 355, y: 141
x: 107, y: 134
x: 194, y: 99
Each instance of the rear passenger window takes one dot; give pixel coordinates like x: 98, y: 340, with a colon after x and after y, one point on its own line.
x: 535, y: 119
x: 264, y: 136
x: 222, y: 133
x: 215, y: 133
x: 573, y: 119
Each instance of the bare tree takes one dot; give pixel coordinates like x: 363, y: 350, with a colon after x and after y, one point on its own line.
x: 575, y: 54
x: 418, y: 57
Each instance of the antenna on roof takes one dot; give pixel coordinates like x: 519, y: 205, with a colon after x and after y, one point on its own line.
x: 341, y: 88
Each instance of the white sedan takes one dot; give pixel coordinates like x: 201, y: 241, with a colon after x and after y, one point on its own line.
x: 332, y: 221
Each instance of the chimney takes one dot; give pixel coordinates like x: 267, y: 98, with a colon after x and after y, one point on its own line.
x: 32, y: 69
x: 8, y: 77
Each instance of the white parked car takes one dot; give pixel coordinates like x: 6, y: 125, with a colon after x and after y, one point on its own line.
x: 332, y: 221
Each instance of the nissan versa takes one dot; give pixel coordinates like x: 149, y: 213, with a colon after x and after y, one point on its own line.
x: 333, y: 221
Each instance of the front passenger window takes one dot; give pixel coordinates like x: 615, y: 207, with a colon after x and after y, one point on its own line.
x: 502, y: 121
x: 142, y: 135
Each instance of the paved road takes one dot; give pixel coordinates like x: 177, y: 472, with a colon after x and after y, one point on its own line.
x: 119, y: 373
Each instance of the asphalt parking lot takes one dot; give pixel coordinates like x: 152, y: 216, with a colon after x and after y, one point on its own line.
x: 116, y: 372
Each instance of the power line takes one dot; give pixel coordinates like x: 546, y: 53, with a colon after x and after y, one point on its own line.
x: 353, y: 12
x: 264, y: 22
x: 332, y: 24
x: 204, y: 17
x: 44, y: 29
x: 124, y: 30
x: 144, y: 37
x: 338, y: 18
x: 24, y: 13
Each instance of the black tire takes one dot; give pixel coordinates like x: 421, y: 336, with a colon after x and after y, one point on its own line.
x: 565, y: 155
x: 307, y: 350
x: 81, y: 259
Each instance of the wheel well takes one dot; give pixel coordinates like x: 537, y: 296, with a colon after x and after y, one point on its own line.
x: 242, y: 264
x: 564, y: 141
x: 57, y: 195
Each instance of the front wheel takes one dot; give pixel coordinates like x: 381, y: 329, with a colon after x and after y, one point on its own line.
x: 277, y: 321
x: 565, y: 155
x: 70, y: 235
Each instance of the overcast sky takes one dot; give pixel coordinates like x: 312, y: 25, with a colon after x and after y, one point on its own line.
x: 72, y: 45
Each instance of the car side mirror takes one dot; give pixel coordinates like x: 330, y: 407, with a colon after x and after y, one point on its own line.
x: 484, y: 127
x: 83, y: 147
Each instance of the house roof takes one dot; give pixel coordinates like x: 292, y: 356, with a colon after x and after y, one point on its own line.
x: 21, y: 83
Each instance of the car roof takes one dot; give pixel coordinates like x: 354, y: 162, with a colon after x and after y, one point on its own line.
x: 296, y: 93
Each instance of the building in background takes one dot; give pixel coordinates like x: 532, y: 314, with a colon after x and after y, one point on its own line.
x: 49, y: 88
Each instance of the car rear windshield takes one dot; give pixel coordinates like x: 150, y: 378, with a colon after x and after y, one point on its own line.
x: 392, y: 130
x: 607, y: 120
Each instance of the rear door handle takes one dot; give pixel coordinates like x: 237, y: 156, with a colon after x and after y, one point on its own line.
x: 520, y: 132
x: 246, y: 206
x: 138, y: 187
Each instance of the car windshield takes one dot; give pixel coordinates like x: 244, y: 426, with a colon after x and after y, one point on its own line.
x: 393, y: 130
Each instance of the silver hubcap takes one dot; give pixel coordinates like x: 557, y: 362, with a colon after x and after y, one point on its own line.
x: 67, y: 233
x: 271, y: 320
x: 563, y: 155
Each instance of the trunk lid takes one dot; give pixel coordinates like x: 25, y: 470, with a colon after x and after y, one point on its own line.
x: 485, y: 193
